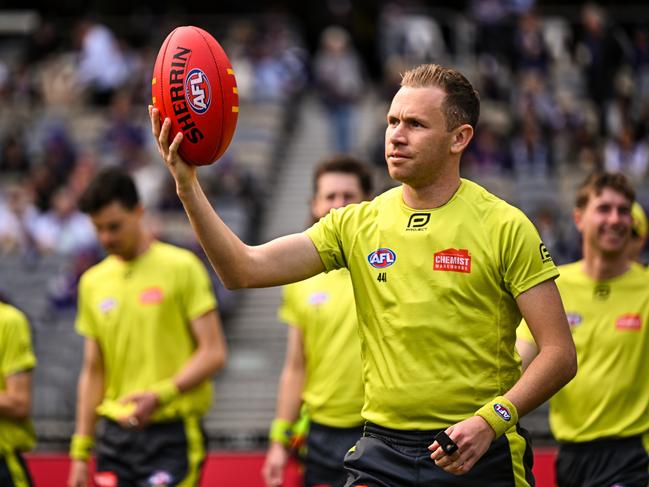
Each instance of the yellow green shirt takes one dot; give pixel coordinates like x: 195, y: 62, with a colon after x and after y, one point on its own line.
x: 16, y: 355
x: 323, y: 309
x: 139, y: 312
x: 435, y: 295
x: 609, y: 320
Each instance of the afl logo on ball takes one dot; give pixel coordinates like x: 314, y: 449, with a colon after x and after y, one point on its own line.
x: 502, y: 411
x: 198, y: 91
x: 382, y: 258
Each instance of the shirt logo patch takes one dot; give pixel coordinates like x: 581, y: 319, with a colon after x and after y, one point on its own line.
x: 105, y: 479
x: 455, y: 260
x: 574, y: 319
x: 418, y: 221
x: 382, y: 258
x: 316, y: 299
x: 152, y: 295
x: 502, y: 411
x: 545, y: 253
x: 629, y: 321
x: 107, y: 304
x: 601, y: 292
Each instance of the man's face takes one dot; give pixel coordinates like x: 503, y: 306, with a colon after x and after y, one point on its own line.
x: 605, y: 222
x: 417, y: 144
x: 335, y: 190
x: 118, y: 229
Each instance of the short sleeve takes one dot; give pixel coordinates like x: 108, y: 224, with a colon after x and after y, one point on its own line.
x: 198, y: 294
x: 326, y: 236
x: 17, y: 354
x: 524, y: 258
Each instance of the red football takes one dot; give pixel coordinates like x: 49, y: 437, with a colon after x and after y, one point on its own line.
x: 193, y: 84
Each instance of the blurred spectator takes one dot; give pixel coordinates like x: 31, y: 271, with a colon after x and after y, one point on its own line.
x: 601, y: 50
x: 640, y: 62
x: 17, y: 220
x: 123, y: 141
x: 13, y: 157
x: 63, y: 229
x: 103, y: 67
x: 338, y: 79
x: 493, y: 28
x: 411, y: 37
x: 531, y: 151
x: 487, y: 154
x: 624, y: 153
x: 529, y: 46
x: 62, y: 289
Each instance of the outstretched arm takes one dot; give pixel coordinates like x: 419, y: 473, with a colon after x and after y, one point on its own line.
x: 281, y: 261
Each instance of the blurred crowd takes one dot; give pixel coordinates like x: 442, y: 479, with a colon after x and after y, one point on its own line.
x: 562, y: 96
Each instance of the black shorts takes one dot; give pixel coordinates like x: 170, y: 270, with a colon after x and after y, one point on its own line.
x: 325, y: 452
x: 622, y: 462
x: 163, y: 454
x: 393, y: 458
x: 13, y: 471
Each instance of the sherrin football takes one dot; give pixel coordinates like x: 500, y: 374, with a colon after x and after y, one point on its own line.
x: 193, y: 84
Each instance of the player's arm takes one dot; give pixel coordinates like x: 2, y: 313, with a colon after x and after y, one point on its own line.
x: 207, y: 359
x: 281, y: 261
x: 554, y: 366
x: 556, y: 361
x: 16, y: 399
x: 90, y: 393
x: 289, y: 401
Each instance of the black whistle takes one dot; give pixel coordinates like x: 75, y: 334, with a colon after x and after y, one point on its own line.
x: 446, y: 443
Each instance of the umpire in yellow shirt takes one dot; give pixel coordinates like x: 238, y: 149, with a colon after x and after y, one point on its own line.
x: 601, y: 418
x: 153, y: 340
x: 16, y: 363
x: 442, y: 272
x: 322, y: 368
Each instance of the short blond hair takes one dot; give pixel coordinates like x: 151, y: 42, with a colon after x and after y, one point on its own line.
x: 462, y: 103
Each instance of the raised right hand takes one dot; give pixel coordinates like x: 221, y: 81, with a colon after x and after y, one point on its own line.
x: 183, y: 173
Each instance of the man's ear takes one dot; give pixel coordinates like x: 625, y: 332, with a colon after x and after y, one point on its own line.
x: 461, y: 138
x: 577, y: 217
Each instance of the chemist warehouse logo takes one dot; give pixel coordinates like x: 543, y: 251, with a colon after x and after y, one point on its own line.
x: 454, y: 260
x: 197, y: 90
x: 382, y: 258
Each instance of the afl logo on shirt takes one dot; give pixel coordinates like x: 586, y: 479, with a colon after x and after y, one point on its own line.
x: 107, y: 305
x: 316, y: 299
x: 574, y: 319
x: 382, y: 258
x: 502, y: 411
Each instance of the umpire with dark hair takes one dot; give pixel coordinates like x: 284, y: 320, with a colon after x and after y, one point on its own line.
x: 153, y: 340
